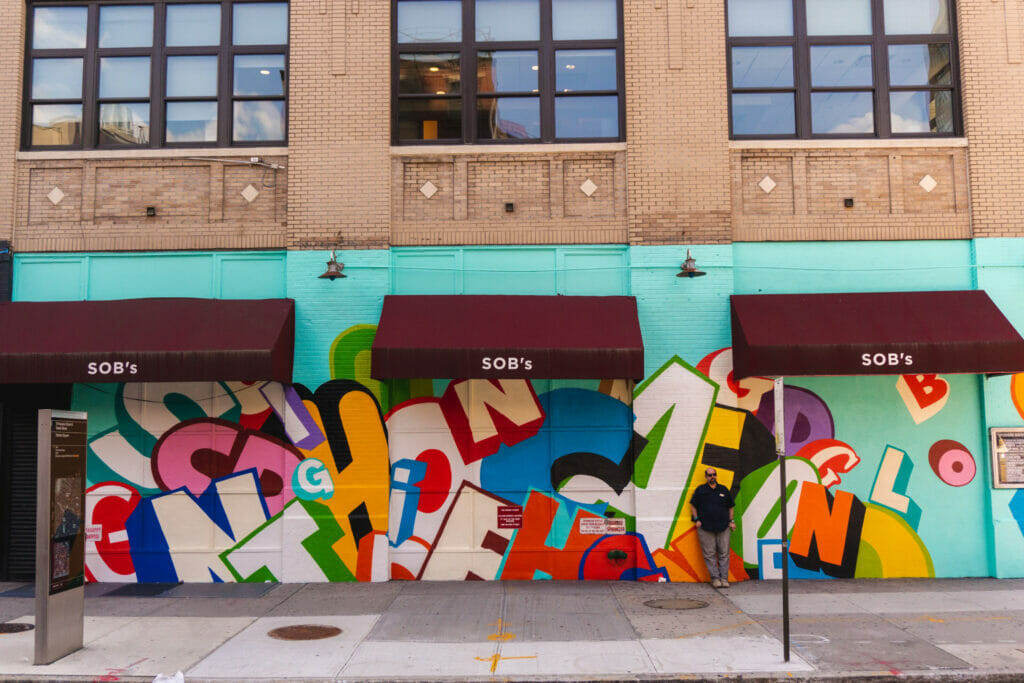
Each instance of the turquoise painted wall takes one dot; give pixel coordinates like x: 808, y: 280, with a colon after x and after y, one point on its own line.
x: 967, y: 530
x: 91, y: 277
x: 1001, y: 274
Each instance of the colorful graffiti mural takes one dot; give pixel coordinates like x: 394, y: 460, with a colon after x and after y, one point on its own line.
x: 495, y: 479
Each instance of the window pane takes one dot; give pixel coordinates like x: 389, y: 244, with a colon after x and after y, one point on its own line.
x: 259, y: 75
x: 586, y: 117
x: 763, y: 114
x: 585, y: 70
x: 762, y: 67
x: 437, y: 21
x: 124, y: 77
x: 842, y: 113
x: 192, y: 76
x: 124, y: 123
x: 916, y: 16
x: 56, y: 124
x: 422, y: 74
x: 126, y: 26
x: 430, y: 119
x: 839, y: 17
x: 504, y: 118
x: 506, y: 71
x: 921, y: 112
x: 507, y: 20
x: 584, y: 19
x: 193, y: 25
x: 259, y: 120
x: 919, y: 64
x: 841, y: 65
x: 58, y: 27
x: 760, y: 17
x: 191, y: 122
x: 264, y: 23
x: 57, y: 79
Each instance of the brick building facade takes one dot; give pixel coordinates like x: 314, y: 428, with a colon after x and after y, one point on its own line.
x: 778, y: 213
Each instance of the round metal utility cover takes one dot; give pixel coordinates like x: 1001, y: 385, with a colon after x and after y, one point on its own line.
x: 15, y: 628
x: 304, y: 632
x: 676, y: 603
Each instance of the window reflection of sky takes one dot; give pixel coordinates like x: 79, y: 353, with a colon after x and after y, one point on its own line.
x: 762, y: 67
x: 438, y: 21
x: 841, y: 65
x: 842, y: 113
x: 507, y: 20
x: 57, y: 79
x: 586, y: 117
x: 259, y: 120
x: 919, y: 64
x: 763, y: 114
x: 58, y: 27
x: 191, y: 121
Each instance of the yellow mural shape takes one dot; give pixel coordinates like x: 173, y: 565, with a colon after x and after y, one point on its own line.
x: 889, y: 547
x: 725, y: 427
x: 366, y: 479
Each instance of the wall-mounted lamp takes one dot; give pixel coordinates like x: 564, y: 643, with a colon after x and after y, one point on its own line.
x: 333, y: 268
x: 150, y: 211
x: 689, y: 267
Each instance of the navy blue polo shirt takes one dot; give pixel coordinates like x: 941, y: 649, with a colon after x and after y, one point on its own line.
x: 712, y: 507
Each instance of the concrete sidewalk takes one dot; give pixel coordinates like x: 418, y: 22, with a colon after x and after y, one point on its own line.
x: 949, y: 629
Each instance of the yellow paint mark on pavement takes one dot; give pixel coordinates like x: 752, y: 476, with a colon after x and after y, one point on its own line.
x: 495, y: 658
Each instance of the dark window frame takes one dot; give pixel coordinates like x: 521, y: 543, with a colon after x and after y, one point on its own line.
x: 157, y: 53
x: 468, y: 49
x: 880, y: 89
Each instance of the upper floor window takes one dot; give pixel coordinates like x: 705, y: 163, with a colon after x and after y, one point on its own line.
x: 507, y: 70
x: 842, y: 68
x: 152, y: 75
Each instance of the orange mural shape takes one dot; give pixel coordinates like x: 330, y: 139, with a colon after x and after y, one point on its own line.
x: 1017, y: 392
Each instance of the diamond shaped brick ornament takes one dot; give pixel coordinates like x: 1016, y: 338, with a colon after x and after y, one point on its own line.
x: 55, y: 196
x: 428, y: 189
x: 928, y: 183
x: 767, y: 184
x: 588, y: 187
x: 250, y: 193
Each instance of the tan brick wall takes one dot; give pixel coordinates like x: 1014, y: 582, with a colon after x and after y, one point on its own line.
x: 12, y: 23
x: 339, y: 123
x: 804, y: 192
x: 992, y: 70
x: 101, y: 205
x: 677, y: 125
x: 544, y: 186
x: 677, y: 180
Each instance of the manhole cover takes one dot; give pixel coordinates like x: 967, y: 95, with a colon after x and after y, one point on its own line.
x: 676, y: 603
x: 304, y: 632
x: 15, y: 628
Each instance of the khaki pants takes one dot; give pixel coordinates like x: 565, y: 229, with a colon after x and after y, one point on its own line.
x: 715, y: 547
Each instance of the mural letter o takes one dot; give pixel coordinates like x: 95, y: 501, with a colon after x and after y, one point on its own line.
x: 952, y: 462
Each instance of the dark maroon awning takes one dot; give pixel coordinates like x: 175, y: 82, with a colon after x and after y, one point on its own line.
x: 469, y: 336
x: 889, y: 333
x: 147, y: 340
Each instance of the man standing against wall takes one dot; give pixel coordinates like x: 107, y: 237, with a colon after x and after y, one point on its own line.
x: 711, y: 509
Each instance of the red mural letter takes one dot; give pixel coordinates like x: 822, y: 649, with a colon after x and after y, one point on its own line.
x: 483, y: 414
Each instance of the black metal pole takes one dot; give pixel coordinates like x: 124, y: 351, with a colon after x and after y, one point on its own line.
x: 780, y: 451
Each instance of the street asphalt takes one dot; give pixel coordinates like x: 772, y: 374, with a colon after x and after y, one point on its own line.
x: 841, y: 630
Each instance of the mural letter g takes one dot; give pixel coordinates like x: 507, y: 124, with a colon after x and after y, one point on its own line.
x: 311, y: 480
